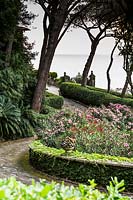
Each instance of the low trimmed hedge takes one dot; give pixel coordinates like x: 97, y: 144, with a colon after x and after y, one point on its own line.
x: 10, y: 189
x: 91, y: 97
x: 54, y: 101
x: 79, y: 166
x: 111, y: 92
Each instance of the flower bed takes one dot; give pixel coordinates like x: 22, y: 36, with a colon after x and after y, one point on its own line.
x: 106, y: 130
x: 100, y: 138
x: 79, y: 166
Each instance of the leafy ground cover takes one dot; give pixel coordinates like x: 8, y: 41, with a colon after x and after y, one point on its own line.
x: 12, y: 189
x: 105, y: 130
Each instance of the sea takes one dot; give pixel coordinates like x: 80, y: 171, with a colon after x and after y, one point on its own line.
x: 72, y: 64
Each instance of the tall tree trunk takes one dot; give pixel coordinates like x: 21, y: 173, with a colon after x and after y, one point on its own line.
x: 89, y: 62
x: 47, y: 54
x: 129, y: 77
x: 124, y: 88
x: 44, y: 67
x: 109, y: 67
x: 9, y: 50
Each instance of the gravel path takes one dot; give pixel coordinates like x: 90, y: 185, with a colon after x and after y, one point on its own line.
x: 68, y: 103
x: 14, y: 160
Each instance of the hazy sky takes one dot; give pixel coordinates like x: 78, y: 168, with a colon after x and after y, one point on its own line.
x: 75, y: 41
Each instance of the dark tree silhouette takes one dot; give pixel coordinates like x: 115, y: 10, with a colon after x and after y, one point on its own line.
x: 110, y: 65
x: 55, y: 14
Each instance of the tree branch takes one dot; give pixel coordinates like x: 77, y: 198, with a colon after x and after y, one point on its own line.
x: 41, y: 3
x: 70, y: 22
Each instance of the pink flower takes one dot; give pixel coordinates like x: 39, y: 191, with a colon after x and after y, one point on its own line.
x: 70, y: 121
x: 88, y: 116
x: 126, y: 145
x: 80, y: 114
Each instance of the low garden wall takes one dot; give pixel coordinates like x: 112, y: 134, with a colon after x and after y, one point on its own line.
x: 81, y: 168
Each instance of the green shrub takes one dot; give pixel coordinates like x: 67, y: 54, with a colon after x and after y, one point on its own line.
x: 10, y: 118
x: 79, y: 166
x: 81, y: 94
x: 12, y: 189
x: 53, y: 100
x: 18, y: 85
x: 53, y: 75
x: 114, y: 99
x: 14, y: 123
x: 11, y: 85
x: 111, y: 92
x: 91, y: 97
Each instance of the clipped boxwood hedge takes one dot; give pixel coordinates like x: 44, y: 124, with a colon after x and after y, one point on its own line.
x: 91, y: 97
x: 111, y: 92
x: 81, y: 94
x: 79, y: 166
x: 54, y: 101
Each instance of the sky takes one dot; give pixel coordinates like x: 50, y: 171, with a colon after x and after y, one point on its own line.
x: 75, y: 41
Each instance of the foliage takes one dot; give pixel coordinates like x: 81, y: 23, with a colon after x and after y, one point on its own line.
x: 17, y: 122
x: 111, y: 91
x: 13, y: 123
x: 18, y: 84
x: 99, y: 130
x: 39, y: 146
x: 53, y: 100
x: 118, y: 115
x: 91, y: 97
x: 10, y: 118
x: 11, y: 84
x: 8, y: 17
x: 79, y: 166
x: 81, y: 94
x: 12, y: 189
x: 53, y: 75
x: 14, y: 20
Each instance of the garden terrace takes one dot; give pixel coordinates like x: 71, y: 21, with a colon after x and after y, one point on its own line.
x: 79, y: 166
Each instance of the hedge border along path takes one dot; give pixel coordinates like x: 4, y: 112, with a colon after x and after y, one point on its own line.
x: 91, y: 97
x: 80, y: 167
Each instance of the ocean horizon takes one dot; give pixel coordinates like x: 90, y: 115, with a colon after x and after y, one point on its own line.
x: 74, y: 63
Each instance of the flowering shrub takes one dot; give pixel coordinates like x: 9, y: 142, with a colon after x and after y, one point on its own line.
x: 118, y: 115
x: 99, y: 130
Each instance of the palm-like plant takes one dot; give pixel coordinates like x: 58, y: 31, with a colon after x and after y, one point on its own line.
x: 11, y: 84
x: 10, y: 117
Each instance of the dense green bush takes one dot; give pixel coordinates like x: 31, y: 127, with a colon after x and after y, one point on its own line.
x: 81, y: 94
x: 14, y: 123
x: 10, y: 118
x: 12, y: 189
x: 53, y: 100
x: 79, y: 166
x: 11, y: 85
x: 91, y: 97
x: 111, y: 92
x: 18, y: 85
x: 53, y: 75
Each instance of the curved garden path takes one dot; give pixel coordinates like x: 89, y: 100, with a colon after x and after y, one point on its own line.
x: 14, y: 155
